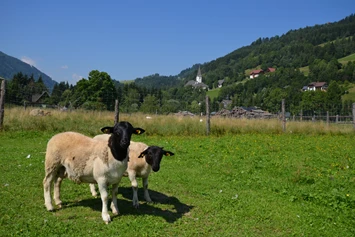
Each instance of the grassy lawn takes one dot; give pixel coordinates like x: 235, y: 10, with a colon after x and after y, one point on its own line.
x: 348, y: 58
x: 240, y: 184
x: 351, y: 94
x: 213, y: 93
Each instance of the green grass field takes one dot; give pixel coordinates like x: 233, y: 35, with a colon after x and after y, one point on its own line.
x: 213, y: 93
x: 241, y: 183
x: 348, y: 58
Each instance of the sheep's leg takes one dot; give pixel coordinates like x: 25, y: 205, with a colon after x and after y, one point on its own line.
x: 114, y: 206
x: 47, y: 182
x: 104, y: 198
x: 145, y: 187
x: 93, y: 190
x: 57, y: 184
x: 134, y: 184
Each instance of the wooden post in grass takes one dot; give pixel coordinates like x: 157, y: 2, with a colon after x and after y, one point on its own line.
x: 116, y: 111
x: 327, y: 118
x: 2, y: 101
x: 354, y: 115
x: 283, y: 117
x: 208, y: 124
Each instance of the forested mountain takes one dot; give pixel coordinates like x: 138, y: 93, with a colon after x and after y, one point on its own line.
x: 294, y: 49
x: 9, y: 66
x: 163, y: 82
x: 157, y: 81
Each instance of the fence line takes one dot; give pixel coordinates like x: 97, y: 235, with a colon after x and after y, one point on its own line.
x: 2, y: 102
x: 282, y: 116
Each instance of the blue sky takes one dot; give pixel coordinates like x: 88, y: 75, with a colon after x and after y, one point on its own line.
x: 136, y: 38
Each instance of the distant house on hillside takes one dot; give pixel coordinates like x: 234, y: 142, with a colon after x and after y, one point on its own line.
x: 40, y: 98
x: 255, y: 73
x: 220, y: 83
x: 198, y: 82
x: 316, y: 86
x: 270, y: 69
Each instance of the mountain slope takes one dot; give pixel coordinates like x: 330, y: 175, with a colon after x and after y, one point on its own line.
x: 9, y: 66
x: 294, y: 49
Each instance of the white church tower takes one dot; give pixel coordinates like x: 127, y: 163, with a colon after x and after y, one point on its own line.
x: 199, y: 76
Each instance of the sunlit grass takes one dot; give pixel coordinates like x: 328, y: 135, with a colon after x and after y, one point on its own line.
x: 90, y: 122
x: 245, y: 184
x: 346, y: 59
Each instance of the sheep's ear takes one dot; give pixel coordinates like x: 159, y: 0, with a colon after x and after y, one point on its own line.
x: 168, y: 153
x: 142, y: 154
x: 107, y: 130
x: 138, y: 131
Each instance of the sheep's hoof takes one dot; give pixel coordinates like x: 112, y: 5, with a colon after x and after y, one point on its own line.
x: 106, y: 218
x: 49, y: 208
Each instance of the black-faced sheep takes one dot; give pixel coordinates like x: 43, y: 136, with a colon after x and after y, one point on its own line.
x: 85, y: 160
x: 138, y: 167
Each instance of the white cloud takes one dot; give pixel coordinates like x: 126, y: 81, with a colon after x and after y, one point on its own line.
x: 64, y: 67
x: 76, y: 77
x: 28, y: 60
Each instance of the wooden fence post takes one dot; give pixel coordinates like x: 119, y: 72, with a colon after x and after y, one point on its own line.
x: 327, y: 118
x: 208, y: 123
x: 2, y: 102
x: 354, y: 115
x: 283, y: 117
x: 116, y: 111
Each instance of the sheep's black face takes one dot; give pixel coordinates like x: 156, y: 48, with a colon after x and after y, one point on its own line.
x: 123, y: 131
x: 153, y: 156
x: 121, y: 136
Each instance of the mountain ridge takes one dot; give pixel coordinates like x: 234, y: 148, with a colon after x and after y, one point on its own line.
x: 10, y: 65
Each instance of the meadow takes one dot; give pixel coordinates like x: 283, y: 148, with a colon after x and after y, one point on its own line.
x: 247, y: 178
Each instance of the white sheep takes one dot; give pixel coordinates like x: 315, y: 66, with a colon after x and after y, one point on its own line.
x: 85, y: 160
x: 138, y: 167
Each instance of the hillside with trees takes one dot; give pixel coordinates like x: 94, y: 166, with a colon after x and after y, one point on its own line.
x: 316, y: 48
x: 10, y: 66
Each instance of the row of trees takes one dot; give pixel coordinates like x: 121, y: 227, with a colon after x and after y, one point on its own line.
x: 99, y: 92
x: 22, y: 87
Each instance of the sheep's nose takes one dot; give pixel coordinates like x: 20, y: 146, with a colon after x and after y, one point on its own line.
x: 124, y: 142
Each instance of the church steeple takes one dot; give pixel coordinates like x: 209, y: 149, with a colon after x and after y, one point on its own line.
x: 199, y: 75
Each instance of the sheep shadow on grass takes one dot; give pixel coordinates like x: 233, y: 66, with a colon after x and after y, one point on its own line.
x: 172, y: 210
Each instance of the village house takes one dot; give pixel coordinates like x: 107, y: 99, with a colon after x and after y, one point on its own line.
x: 255, y: 73
x: 40, y: 98
x: 316, y: 86
x: 220, y: 83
